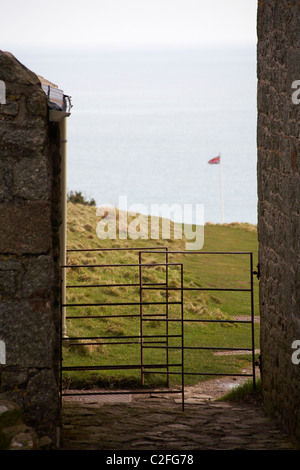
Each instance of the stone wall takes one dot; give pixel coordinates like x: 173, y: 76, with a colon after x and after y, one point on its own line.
x: 29, y: 248
x: 278, y: 138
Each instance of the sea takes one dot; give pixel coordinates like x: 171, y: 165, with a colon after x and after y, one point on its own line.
x: 145, y: 123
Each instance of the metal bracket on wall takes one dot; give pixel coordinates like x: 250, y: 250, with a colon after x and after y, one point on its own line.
x: 258, y: 362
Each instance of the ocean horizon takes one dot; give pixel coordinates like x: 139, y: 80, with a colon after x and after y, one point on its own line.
x: 145, y: 123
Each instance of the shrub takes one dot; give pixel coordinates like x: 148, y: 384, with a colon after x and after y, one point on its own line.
x: 77, y: 198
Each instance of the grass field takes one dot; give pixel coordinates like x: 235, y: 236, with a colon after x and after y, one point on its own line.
x: 211, y: 271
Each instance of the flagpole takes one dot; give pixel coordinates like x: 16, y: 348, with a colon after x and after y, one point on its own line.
x: 221, y: 191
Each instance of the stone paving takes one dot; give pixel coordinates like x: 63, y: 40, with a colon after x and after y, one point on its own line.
x: 157, y: 422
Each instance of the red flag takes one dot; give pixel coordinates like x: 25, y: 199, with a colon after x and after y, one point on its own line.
x: 215, y: 161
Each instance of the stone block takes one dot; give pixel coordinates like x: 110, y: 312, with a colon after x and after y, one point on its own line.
x: 37, y: 104
x: 31, y: 179
x: 43, y: 391
x: 13, y: 378
x: 21, y: 437
x: 38, y: 278
x: 26, y: 228
x: 29, y: 335
x: 26, y: 138
x: 11, y: 108
x: 6, y: 178
x: 8, y: 283
x: 10, y: 270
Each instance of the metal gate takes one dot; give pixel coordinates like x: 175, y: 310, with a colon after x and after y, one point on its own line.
x: 170, y: 314
x: 142, y: 340
x: 249, y: 321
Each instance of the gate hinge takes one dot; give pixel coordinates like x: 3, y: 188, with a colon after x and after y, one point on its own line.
x: 257, y: 272
x: 258, y: 362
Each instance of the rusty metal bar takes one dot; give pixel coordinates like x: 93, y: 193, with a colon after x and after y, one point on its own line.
x: 117, y: 249
x: 115, y: 304
x: 189, y: 320
x: 110, y: 285
x: 118, y: 392
x: 117, y: 337
x: 117, y: 367
x: 215, y: 348
x: 102, y: 344
x: 210, y: 374
x: 205, y: 288
x: 102, y: 285
x: 191, y: 252
x: 128, y: 315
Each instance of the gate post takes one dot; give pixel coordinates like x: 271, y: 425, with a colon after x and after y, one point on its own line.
x: 141, y: 319
x: 167, y: 316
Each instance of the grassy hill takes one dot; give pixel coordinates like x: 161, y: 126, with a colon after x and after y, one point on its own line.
x: 204, y: 271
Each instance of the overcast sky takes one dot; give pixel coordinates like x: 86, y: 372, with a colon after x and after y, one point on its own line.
x: 127, y: 23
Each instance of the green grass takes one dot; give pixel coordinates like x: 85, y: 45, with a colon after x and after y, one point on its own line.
x: 200, y: 270
x: 245, y: 393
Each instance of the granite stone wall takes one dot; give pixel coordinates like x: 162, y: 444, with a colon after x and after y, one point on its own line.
x: 278, y: 139
x: 29, y: 248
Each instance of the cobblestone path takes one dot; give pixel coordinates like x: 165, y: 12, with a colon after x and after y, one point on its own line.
x: 157, y: 422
